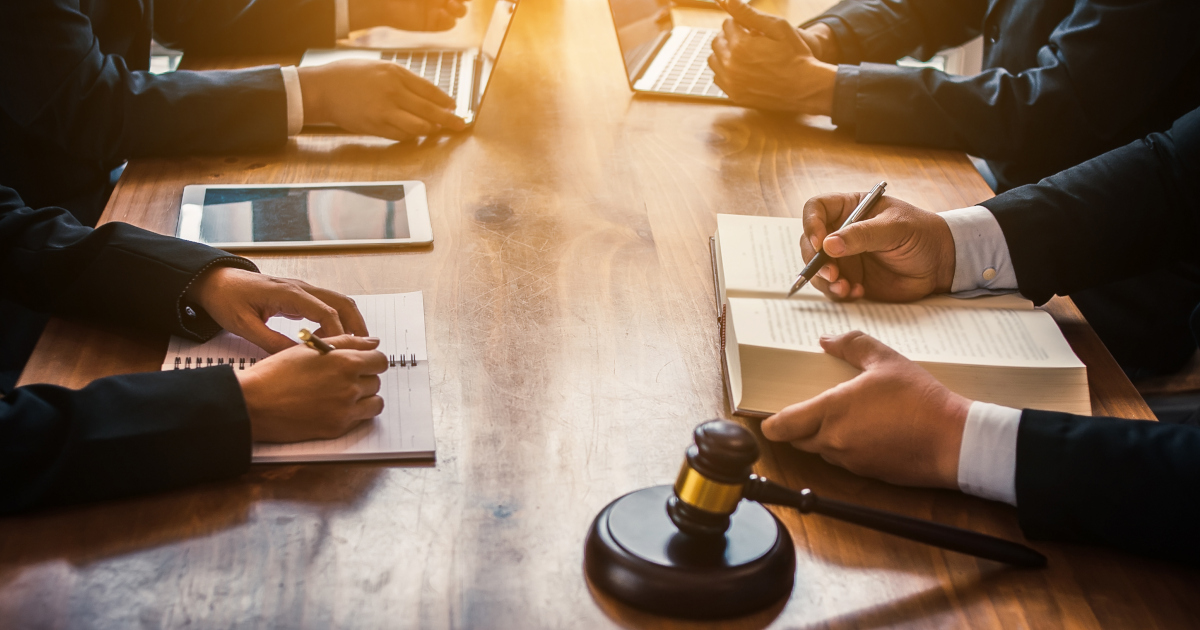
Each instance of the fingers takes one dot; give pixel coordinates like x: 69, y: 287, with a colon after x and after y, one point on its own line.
x: 426, y: 90
x: 367, y: 408
x: 772, y: 26
x: 798, y: 421
x: 859, y: 349
x: 871, y: 235
x: 348, y: 313
x: 822, y: 214
x: 369, y: 385
x: 351, y: 342
x: 300, y: 302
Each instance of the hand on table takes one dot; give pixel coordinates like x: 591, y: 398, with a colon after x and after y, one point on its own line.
x: 301, y: 394
x: 407, y: 15
x: 762, y: 61
x: 242, y: 301
x: 894, y: 421
x: 898, y: 253
x: 377, y: 98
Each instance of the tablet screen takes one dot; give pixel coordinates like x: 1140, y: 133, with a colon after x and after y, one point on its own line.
x: 286, y: 214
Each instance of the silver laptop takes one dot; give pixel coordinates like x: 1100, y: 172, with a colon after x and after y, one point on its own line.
x: 661, y: 58
x: 462, y: 74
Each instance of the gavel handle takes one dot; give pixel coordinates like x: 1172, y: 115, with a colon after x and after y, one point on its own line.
x: 944, y: 536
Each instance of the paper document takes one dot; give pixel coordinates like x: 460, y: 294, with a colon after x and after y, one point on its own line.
x: 405, y: 428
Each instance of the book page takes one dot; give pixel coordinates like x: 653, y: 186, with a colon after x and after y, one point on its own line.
x: 760, y: 257
x: 968, y: 336
x: 404, y: 429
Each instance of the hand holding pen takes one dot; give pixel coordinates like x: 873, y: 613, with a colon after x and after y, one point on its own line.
x: 893, y: 252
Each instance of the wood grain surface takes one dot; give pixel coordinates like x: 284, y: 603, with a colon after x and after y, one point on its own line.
x: 573, y: 347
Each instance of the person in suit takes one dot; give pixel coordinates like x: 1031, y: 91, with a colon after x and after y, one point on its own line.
x: 139, y: 433
x: 1063, y: 81
x: 1129, y: 484
x: 77, y: 97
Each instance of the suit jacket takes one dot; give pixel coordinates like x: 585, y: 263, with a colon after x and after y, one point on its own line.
x: 76, y: 99
x: 1128, y: 484
x: 1063, y: 80
x: 123, y: 434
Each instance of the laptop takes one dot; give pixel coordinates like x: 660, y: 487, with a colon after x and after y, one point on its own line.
x: 462, y: 74
x: 661, y: 58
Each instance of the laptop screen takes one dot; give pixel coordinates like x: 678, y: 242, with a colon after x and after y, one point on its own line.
x: 493, y: 40
x: 641, y: 26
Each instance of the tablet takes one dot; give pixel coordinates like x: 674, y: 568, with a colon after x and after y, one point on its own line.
x: 302, y: 216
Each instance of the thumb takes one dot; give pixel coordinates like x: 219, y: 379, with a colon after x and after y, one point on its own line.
x: 350, y: 342
x: 872, y: 235
x: 858, y: 349
x: 772, y: 26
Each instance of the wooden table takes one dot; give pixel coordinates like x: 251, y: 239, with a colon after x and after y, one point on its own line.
x: 571, y: 328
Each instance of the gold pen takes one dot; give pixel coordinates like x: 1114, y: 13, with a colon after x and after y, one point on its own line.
x: 315, y: 342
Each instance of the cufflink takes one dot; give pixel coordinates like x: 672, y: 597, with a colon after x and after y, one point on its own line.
x: 187, y: 310
x: 989, y: 274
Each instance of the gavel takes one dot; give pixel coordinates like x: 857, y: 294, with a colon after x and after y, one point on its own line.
x: 716, y: 476
x: 715, y: 551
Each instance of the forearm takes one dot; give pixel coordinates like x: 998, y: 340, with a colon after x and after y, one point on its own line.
x: 120, y: 436
x: 876, y: 30
x: 1064, y: 232
x: 116, y: 273
x: 1120, y: 483
x: 245, y: 26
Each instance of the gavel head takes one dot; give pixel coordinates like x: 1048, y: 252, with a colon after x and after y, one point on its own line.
x: 712, y: 479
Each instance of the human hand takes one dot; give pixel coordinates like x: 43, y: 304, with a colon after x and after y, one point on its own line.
x: 300, y: 394
x: 762, y: 61
x: 406, y: 15
x: 896, y: 253
x: 242, y: 301
x: 377, y: 98
x: 894, y: 421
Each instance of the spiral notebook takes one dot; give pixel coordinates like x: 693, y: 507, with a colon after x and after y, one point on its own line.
x: 405, y: 428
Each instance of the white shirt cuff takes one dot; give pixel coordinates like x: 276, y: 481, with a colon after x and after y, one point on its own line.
x: 982, y: 264
x: 295, y: 101
x: 987, y: 462
x: 341, y: 18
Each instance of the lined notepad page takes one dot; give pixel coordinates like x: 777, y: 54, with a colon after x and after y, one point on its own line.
x: 405, y: 428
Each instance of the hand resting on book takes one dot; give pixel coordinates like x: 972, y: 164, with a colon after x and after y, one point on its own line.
x: 894, y: 421
x: 898, y: 253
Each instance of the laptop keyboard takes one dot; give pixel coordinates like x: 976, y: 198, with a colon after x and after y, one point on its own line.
x: 688, y: 71
x: 439, y: 67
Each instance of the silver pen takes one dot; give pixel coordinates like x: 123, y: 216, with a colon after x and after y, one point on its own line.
x: 821, y: 259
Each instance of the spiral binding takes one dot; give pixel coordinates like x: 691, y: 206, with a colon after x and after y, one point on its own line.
x: 186, y: 363
x: 409, y: 361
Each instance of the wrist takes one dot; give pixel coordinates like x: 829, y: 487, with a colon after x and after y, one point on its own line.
x: 250, y: 383
x: 312, y: 96
x: 823, y: 79
x: 946, y: 259
x: 955, y: 409
x: 824, y: 42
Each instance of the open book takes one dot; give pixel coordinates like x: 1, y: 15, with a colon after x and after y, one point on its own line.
x: 997, y: 349
x: 405, y: 428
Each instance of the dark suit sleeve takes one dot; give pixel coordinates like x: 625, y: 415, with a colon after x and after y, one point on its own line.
x: 116, y: 273
x: 1116, y: 216
x: 244, y: 26
x: 125, y: 434
x: 886, y: 30
x: 1095, y: 76
x: 59, y: 84
x: 1127, y: 484
x: 119, y: 436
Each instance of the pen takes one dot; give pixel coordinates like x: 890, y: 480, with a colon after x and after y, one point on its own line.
x: 821, y: 259
x: 315, y: 342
